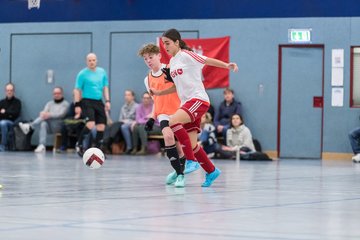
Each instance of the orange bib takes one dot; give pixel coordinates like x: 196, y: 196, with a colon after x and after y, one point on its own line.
x: 165, y: 104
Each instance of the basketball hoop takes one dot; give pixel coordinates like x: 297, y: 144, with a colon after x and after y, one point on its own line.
x: 33, y: 4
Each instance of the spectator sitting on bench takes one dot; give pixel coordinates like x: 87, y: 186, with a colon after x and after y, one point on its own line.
x: 227, y: 108
x: 127, y: 118
x: 238, y: 138
x: 207, y: 136
x: 10, y: 108
x: 50, y: 118
x: 354, y: 137
x: 143, y: 113
x: 72, y: 125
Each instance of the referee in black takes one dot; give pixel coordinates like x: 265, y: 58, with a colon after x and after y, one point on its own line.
x: 91, y: 87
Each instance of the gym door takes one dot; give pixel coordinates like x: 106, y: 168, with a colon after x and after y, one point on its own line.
x: 300, y: 101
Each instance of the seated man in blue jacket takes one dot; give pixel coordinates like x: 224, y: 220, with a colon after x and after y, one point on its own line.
x: 354, y: 137
x: 226, y: 109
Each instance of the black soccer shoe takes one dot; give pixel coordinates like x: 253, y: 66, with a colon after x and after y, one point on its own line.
x: 79, y: 149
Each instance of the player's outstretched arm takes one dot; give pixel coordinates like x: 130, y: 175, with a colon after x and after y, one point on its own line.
x: 218, y: 63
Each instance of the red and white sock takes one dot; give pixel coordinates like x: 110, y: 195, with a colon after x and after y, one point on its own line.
x: 183, y: 137
x: 203, y: 159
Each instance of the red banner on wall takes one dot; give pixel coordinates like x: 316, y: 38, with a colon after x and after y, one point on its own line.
x: 218, y: 48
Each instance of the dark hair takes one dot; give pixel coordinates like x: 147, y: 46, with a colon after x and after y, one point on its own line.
x: 228, y: 90
x: 241, y: 118
x: 174, y: 35
x: 131, y: 91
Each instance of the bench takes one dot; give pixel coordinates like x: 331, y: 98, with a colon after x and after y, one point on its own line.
x: 155, y: 137
x: 118, y: 148
x: 57, y: 140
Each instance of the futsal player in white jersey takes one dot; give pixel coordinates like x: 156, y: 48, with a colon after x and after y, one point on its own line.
x: 185, y: 71
x: 164, y: 107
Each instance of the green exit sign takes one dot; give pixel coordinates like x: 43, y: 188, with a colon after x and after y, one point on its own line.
x: 300, y: 35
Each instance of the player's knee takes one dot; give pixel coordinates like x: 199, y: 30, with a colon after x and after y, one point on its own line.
x: 168, y: 135
x: 90, y: 125
x: 100, y: 127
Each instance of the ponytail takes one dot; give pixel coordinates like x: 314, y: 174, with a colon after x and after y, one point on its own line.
x: 183, y: 45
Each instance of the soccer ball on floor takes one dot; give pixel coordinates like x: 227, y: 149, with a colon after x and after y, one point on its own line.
x: 93, y: 158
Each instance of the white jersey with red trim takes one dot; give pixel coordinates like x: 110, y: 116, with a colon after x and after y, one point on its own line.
x: 185, y: 69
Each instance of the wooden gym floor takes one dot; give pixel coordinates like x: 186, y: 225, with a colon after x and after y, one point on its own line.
x: 54, y: 196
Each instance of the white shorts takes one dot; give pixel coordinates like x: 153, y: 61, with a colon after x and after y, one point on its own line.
x: 163, y: 117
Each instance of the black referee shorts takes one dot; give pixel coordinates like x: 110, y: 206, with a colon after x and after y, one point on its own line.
x: 93, y: 110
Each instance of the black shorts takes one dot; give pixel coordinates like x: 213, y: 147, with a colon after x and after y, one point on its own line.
x: 93, y: 110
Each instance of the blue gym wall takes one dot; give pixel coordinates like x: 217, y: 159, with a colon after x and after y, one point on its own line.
x: 28, y: 50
